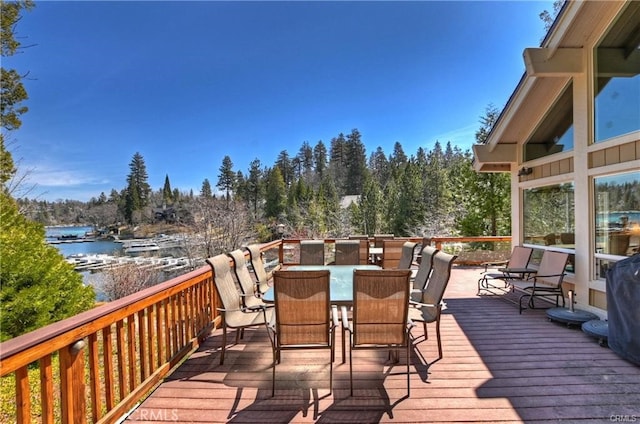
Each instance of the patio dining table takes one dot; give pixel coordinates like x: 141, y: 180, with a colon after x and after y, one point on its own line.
x: 341, y: 280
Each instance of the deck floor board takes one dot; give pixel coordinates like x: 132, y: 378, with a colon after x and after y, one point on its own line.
x: 498, y: 366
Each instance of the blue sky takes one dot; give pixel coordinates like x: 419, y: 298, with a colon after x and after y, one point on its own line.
x: 186, y: 83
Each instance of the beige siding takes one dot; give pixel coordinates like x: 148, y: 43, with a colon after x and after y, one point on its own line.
x: 615, y: 154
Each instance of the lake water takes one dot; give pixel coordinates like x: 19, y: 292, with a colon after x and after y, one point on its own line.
x: 76, y: 247
x: 93, y: 247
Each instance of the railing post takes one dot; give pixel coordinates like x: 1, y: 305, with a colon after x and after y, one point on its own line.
x: 72, y: 390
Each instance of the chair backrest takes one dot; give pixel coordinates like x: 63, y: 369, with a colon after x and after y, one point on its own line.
x: 437, y: 283
x: 567, y: 238
x: 364, y: 252
x: 312, y: 252
x: 551, y: 269
x: 257, y: 263
x: 426, y: 265
x: 406, y: 258
x: 302, y: 307
x: 223, y: 281
x: 380, y: 306
x: 347, y: 252
x: 392, y: 251
x: 378, y: 239
x: 520, y: 257
x: 550, y: 239
x: 244, y: 279
x: 619, y: 244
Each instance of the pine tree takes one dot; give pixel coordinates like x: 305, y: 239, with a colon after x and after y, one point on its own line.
x: 255, y: 186
x: 138, y: 191
x: 205, y: 191
x: 320, y: 160
x: 356, y: 163
x: 276, y: 194
x: 167, y: 194
x: 226, y: 177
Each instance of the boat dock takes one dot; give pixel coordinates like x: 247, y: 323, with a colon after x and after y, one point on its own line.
x: 101, y: 262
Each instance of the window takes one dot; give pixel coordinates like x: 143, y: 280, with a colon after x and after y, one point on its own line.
x: 617, y: 218
x: 617, y: 78
x: 549, y: 218
x: 555, y: 133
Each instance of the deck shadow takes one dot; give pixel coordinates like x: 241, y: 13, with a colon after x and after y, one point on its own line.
x: 545, y: 370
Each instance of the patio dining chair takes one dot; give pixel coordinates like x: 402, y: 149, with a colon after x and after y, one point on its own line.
x: 424, y: 272
x: 312, y: 252
x: 407, y: 256
x: 302, y: 317
x: 380, y: 314
x: 251, y: 298
x: 378, y: 242
x: 347, y: 252
x: 264, y: 279
x: 513, y: 269
x: 397, y: 254
x: 234, y: 313
x: 546, y: 284
x: 429, y: 308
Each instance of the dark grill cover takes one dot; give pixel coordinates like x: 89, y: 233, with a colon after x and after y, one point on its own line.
x: 623, y: 308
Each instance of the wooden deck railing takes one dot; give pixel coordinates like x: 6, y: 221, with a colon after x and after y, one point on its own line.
x: 110, y: 357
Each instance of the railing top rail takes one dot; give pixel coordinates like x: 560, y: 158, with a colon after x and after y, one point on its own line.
x: 140, y: 300
x: 131, y: 304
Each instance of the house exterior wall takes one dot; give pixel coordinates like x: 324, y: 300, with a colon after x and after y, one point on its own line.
x: 583, y: 27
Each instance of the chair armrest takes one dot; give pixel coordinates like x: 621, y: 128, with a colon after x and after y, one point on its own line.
x: 256, y: 308
x: 487, y: 264
x: 345, y: 318
x: 334, y: 316
x: 410, y: 324
x: 549, y: 275
x: 420, y: 304
x: 228, y: 310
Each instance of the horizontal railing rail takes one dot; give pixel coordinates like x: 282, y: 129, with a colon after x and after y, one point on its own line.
x: 96, y: 366
x: 111, y: 355
x: 468, y: 255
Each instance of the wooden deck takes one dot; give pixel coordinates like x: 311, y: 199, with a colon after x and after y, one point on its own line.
x: 498, y: 366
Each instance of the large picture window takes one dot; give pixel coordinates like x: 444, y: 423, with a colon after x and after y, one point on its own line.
x: 549, y: 218
x: 617, y: 219
x: 617, y: 215
x: 617, y: 73
x: 555, y: 132
x: 549, y: 215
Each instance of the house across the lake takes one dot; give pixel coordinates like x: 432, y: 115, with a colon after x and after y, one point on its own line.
x: 570, y: 138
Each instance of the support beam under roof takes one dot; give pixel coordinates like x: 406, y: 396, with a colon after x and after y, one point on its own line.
x: 496, y: 158
x: 545, y: 62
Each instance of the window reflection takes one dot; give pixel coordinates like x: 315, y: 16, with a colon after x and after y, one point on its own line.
x: 617, y: 212
x: 555, y: 133
x: 549, y: 217
x: 617, y: 84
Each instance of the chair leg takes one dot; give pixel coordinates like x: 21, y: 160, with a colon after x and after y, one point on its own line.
x: 344, y: 351
x: 438, y: 337
x: 350, y: 371
x: 331, y: 369
x: 273, y: 377
x: 408, y: 370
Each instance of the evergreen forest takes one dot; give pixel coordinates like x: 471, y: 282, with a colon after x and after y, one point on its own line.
x: 320, y: 191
